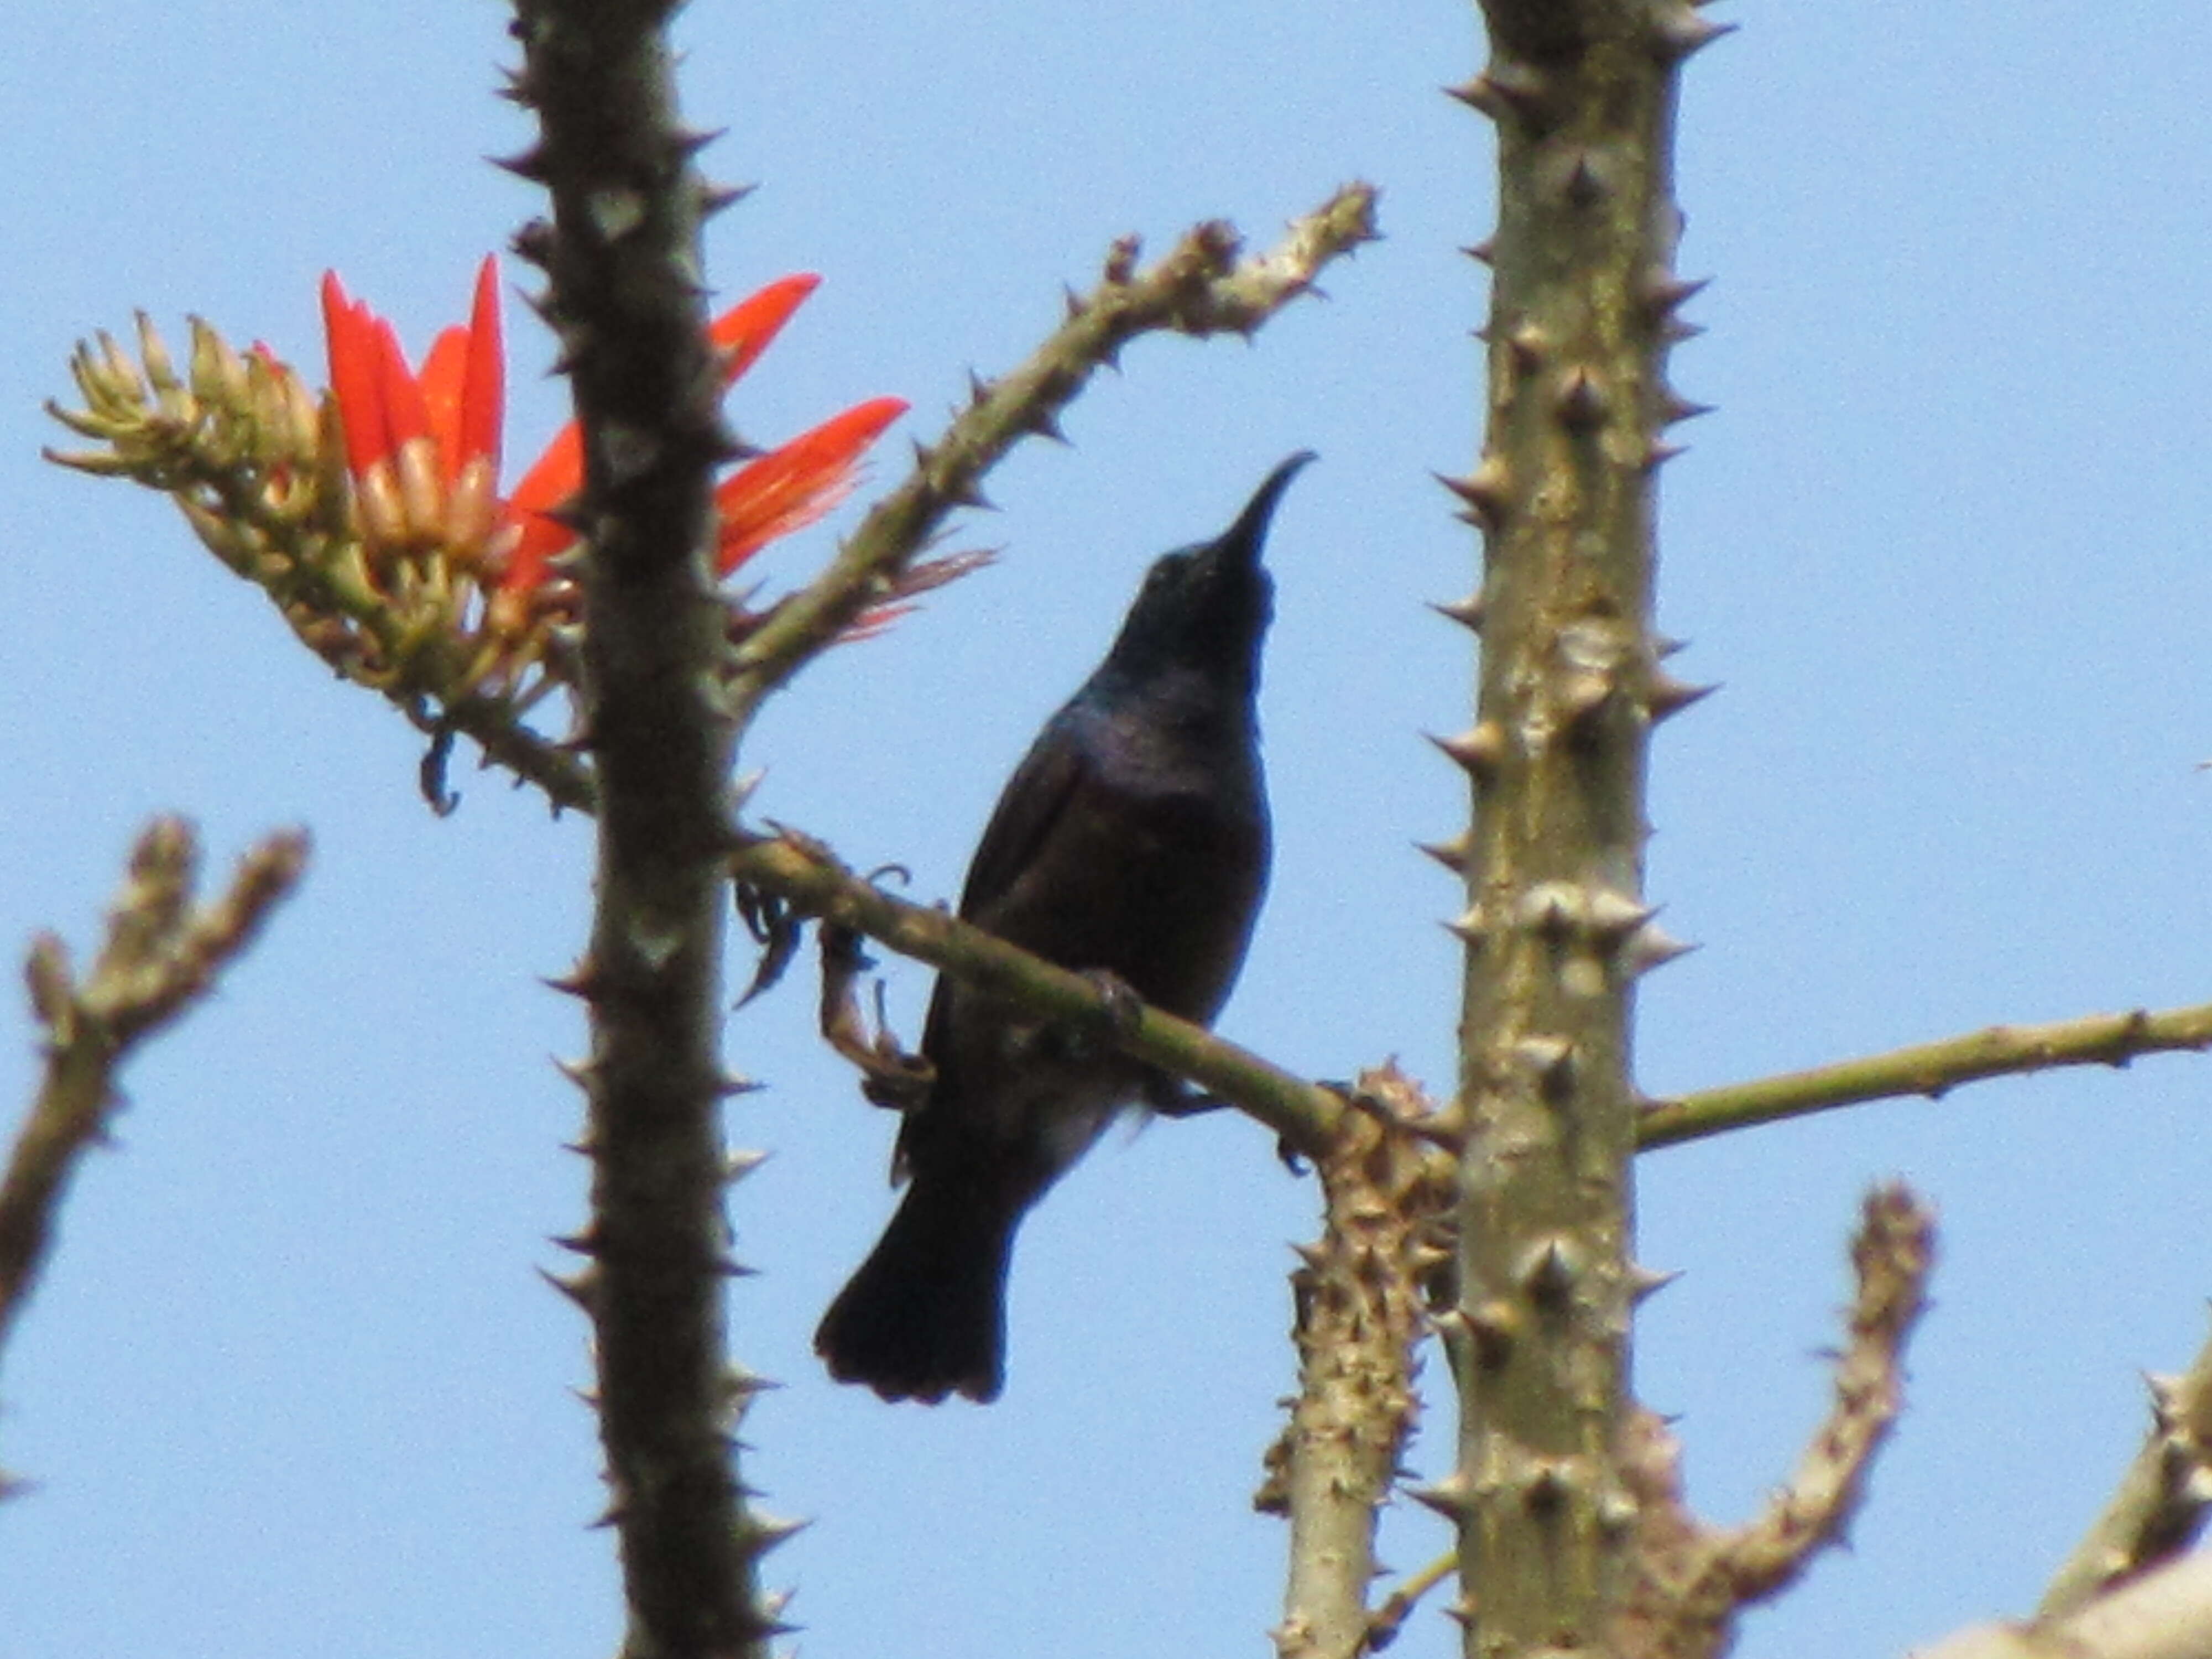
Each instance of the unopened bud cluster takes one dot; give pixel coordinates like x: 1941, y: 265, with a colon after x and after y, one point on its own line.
x: 254, y: 459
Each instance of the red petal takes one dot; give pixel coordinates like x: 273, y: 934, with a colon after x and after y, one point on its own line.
x: 740, y: 334
x: 790, y: 488
x: 405, y: 413
x: 553, y: 478
x: 555, y: 475
x: 354, y: 378
x: 744, y: 331
x: 443, y: 372
x: 462, y: 387
x: 483, y: 398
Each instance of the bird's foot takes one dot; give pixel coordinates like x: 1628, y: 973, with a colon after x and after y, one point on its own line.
x: 888, y: 1075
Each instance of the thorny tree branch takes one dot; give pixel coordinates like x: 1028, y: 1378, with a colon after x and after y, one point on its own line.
x: 624, y: 295
x: 1892, y: 1256
x: 1201, y: 287
x: 2161, y: 1505
x: 1361, y: 1294
x: 162, y: 953
x: 1568, y: 690
x: 1932, y: 1069
x: 1691, y: 1580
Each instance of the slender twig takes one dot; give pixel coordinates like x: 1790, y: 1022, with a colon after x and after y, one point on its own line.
x: 1929, y: 1068
x: 162, y: 953
x: 801, y: 869
x: 2161, y: 1505
x: 1201, y: 287
x: 625, y: 299
x: 1397, y: 1606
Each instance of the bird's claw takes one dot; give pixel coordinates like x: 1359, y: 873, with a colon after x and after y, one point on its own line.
x: 888, y: 1075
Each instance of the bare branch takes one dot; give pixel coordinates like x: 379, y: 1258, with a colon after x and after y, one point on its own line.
x: 2160, y: 1507
x: 162, y: 953
x: 1932, y: 1069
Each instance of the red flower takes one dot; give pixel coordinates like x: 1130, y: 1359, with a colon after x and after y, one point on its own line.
x: 423, y: 448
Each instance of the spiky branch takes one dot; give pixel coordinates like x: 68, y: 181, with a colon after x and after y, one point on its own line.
x: 162, y: 953
x: 1204, y: 285
x: 625, y: 299
x: 1361, y: 1295
x: 2162, y: 1500
x: 1556, y: 930
x: 1690, y: 1582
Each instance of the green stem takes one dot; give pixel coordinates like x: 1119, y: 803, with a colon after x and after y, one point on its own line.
x: 1932, y: 1069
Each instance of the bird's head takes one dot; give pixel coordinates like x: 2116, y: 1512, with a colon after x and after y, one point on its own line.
x: 1205, y: 606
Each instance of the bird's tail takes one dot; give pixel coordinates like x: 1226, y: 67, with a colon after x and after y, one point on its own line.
x: 924, y: 1315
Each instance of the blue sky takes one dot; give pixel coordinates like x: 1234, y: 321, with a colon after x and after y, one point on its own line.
x: 293, y: 1382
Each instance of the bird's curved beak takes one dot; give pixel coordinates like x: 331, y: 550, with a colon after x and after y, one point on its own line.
x: 1248, y: 534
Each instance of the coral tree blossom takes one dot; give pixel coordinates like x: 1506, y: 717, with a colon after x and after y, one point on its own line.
x: 423, y: 447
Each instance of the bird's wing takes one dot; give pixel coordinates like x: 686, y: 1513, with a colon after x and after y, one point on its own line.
x: 1037, y: 797
x: 1034, y: 799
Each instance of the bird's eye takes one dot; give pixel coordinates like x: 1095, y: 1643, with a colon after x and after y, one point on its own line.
x: 1167, y: 574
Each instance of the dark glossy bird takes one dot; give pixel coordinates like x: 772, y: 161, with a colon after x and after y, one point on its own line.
x: 1131, y: 841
